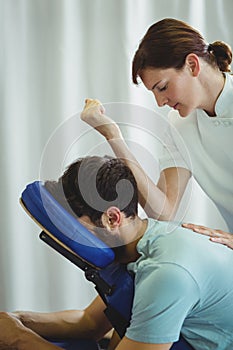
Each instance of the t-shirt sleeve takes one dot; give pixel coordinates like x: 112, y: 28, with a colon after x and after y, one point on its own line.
x: 164, y: 296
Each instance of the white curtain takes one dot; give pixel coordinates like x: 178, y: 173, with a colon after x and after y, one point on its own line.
x: 54, y: 54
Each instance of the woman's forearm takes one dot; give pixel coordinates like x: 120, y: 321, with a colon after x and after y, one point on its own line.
x: 158, y: 201
x: 148, y: 191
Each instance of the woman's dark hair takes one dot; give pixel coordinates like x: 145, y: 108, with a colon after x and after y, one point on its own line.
x: 91, y: 185
x: 167, y: 43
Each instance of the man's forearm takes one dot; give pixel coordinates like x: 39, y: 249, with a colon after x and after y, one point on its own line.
x: 90, y: 323
x: 61, y: 324
x: 15, y: 336
x: 29, y: 340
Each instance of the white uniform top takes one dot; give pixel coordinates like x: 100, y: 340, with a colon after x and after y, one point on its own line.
x: 204, y: 145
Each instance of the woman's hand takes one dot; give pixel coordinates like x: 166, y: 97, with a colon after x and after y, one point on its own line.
x: 217, y: 236
x: 93, y: 114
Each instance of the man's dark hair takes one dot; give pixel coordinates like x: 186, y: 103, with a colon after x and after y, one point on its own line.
x: 91, y: 185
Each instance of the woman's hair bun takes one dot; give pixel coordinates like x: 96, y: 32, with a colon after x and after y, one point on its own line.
x: 223, y: 55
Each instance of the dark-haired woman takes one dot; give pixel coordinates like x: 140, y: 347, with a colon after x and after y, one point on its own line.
x: 183, y: 71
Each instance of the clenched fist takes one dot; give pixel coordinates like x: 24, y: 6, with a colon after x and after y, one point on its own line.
x: 93, y: 114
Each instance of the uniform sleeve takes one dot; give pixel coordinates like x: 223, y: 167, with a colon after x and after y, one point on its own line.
x: 170, y: 155
x: 164, y: 296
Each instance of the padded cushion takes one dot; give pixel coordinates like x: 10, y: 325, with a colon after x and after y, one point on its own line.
x: 54, y: 219
x: 77, y: 344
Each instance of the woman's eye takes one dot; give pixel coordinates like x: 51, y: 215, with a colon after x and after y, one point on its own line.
x: 163, y: 88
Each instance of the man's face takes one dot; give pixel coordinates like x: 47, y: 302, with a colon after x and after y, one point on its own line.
x: 110, y: 237
x: 86, y: 222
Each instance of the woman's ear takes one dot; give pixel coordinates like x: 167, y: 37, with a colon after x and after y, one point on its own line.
x: 112, y: 218
x: 193, y: 64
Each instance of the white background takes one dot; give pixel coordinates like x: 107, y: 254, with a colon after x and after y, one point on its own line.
x: 54, y: 54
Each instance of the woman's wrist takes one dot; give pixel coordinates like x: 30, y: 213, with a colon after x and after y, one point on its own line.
x: 113, y: 133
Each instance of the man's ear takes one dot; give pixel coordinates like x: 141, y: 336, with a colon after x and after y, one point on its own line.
x: 112, y: 218
x: 193, y: 64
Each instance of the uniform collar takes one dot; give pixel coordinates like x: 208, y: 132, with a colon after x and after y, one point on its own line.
x: 224, y: 104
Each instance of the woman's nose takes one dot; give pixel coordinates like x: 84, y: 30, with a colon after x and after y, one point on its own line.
x: 161, y: 100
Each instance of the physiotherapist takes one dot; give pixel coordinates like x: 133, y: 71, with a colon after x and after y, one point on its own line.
x: 193, y: 77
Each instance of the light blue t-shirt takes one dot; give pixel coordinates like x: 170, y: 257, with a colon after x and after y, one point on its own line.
x: 183, y: 283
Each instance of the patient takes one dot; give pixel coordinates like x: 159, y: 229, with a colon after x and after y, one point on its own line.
x: 181, y: 285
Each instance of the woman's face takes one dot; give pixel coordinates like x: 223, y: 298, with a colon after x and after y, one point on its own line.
x: 175, y: 88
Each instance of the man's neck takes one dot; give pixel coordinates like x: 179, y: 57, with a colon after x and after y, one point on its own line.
x: 135, y: 231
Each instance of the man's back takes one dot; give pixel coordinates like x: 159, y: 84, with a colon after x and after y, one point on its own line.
x: 183, y: 282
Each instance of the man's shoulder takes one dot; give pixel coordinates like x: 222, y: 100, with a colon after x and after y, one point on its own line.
x: 158, y: 228
x: 170, y: 242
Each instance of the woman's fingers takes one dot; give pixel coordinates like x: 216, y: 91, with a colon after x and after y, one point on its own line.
x: 228, y: 241
x: 198, y: 228
x: 203, y: 230
x: 217, y: 236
